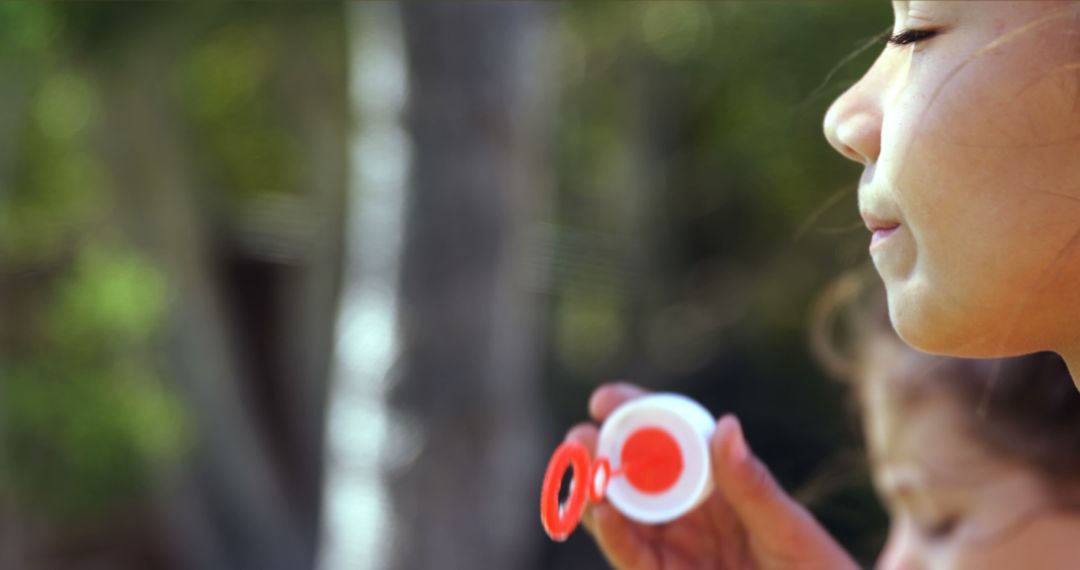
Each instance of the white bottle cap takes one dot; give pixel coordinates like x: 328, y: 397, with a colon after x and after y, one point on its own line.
x: 679, y: 427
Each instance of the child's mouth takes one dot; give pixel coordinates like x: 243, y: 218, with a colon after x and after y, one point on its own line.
x: 882, y: 233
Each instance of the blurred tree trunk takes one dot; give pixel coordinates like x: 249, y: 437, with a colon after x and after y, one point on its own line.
x: 232, y: 482
x: 251, y: 332
x: 469, y: 366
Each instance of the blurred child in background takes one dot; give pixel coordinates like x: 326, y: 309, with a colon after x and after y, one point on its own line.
x: 977, y: 461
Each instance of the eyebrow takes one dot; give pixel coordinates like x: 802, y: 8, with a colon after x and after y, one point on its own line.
x: 904, y: 488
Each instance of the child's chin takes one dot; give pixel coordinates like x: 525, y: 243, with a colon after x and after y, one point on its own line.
x: 935, y: 332
x: 929, y: 330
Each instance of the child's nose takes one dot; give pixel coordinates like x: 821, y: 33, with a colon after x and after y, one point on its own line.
x: 901, y: 551
x: 853, y: 125
x: 897, y: 561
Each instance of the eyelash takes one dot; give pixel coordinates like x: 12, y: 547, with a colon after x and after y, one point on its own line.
x: 906, y: 37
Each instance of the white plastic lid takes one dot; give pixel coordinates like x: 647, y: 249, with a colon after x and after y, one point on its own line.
x: 689, y: 426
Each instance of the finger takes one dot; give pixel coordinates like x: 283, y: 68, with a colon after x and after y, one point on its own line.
x: 606, y: 398
x: 586, y: 434
x: 725, y: 526
x: 620, y: 540
x: 692, y: 537
x: 755, y: 498
x: 768, y: 515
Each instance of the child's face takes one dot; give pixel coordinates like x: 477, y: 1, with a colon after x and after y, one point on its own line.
x: 971, y: 144
x: 953, y: 505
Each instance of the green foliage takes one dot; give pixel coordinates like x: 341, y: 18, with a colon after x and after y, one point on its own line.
x: 85, y: 412
x: 86, y: 416
x: 63, y: 107
x: 588, y: 331
x: 694, y: 130
x: 676, y: 31
x: 110, y: 295
x: 27, y: 29
x: 59, y: 186
x: 228, y: 88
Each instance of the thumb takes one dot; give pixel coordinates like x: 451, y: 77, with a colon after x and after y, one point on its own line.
x: 746, y: 484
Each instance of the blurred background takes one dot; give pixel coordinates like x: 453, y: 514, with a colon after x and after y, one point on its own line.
x: 320, y: 285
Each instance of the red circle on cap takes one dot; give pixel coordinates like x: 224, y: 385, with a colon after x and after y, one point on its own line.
x: 652, y: 460
x: 559, y: 521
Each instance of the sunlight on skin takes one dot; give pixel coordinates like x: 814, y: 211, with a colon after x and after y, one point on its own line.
x: 968, y: 135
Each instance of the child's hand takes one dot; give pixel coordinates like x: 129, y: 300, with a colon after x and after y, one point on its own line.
x: 748, y: 522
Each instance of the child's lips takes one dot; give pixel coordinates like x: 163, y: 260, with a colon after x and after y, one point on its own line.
x: 882, y: 227
x: 882, y: 233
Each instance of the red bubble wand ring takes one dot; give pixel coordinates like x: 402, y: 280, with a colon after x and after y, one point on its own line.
x: 660, y: 442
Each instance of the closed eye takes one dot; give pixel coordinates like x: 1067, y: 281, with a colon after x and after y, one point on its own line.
x: 906, y: 37
x: 942, y: 528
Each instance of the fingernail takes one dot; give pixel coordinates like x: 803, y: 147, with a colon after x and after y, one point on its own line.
x: 574, y: 433
x: 736, y: 444
x: 594, y: 400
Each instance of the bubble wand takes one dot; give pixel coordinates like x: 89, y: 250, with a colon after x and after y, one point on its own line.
x: 652, y: 463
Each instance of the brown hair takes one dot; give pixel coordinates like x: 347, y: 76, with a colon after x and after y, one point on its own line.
x: 1023, y: 409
